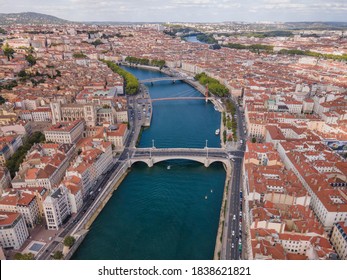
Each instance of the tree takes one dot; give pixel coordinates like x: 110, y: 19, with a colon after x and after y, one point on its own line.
x: 20, y: 256
x: 22, y: 74
x: 79, y: 55
x: 31, y: 59
x: 17, y: 158
x: 2, y: 100
x: 58, y: 255
x: 8, y: 51
x: 97, y: 42
x: 254, y: 140
x: 69, y: 241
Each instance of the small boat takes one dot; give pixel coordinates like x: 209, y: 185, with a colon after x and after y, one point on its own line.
x: 168, y: 167
x: 217, y: 132
x: 215, y: 107
x: 206, y: 197
x: 211, y: 191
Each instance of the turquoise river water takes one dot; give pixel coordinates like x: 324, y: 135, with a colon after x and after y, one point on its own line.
x: 171, y: 210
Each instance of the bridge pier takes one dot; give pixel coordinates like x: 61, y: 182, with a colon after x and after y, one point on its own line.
x: 206, y: 162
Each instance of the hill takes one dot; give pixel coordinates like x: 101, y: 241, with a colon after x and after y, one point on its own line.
x: 29, y: 18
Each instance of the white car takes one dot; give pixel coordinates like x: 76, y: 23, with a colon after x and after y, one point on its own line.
x: 233, y: 233
x: 232, y: 245
x: 234, y: 217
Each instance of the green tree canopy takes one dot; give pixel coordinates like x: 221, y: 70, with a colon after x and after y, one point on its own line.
x: 58, y: 255
x: 2, y: 100
x: 79, y: 55
x: 17, y: 158
x: 69, y: 241
x: 214, y: 86
x: 31, y: 59
x: 8, y: 51
x: 131, y: 83
x: 20, y: 256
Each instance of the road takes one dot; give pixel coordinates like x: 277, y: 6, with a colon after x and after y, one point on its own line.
x: 233, y: 222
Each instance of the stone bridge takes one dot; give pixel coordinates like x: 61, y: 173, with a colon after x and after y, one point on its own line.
x: 206, y: 156
x: 153, y: 80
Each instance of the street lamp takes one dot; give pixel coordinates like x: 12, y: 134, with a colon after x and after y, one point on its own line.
x: 206, y: 149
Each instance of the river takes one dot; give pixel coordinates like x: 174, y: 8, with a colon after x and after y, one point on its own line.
x: 193, y: 39
x: 169, y: 211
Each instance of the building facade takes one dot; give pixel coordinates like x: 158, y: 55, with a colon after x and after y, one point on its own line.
x: 13, y: 231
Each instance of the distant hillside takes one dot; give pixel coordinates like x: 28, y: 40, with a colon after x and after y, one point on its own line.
x: 317, y: 25
x: 29, y: 18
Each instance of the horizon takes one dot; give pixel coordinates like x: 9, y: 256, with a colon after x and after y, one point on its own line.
x: 169, y: 22
x: 195, y: 11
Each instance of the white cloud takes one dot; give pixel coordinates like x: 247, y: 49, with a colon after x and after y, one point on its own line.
x: 184, y: 10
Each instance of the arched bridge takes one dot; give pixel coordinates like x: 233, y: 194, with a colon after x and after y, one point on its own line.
x: 206, y: 156
x: 181, y: 98
x: 153, y: 80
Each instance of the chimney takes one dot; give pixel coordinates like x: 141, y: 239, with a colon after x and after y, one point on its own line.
x: 256, y: 223
x: 282, y: 227
x: 307, y: 207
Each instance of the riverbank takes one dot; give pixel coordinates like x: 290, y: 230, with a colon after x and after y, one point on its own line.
x: 82, y: 229
x: 145, y: 67
x: 219, y: 238
x: 104, y: 202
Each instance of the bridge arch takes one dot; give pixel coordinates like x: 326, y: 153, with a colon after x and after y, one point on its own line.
x: 203, y: 160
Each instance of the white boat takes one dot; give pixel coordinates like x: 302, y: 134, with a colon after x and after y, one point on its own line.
x: 168, y: 167
x: 206, y: 197
x: 211, y: 191
x: 216, y: 108
x: 217, y: 132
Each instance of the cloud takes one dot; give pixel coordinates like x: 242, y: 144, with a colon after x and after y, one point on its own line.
x: 184, y: 10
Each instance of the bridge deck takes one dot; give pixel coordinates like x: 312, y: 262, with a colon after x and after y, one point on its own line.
x: 162, y: 79
x: 180, y: 98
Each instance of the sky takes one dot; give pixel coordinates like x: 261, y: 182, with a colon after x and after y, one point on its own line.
x: 184, y: 10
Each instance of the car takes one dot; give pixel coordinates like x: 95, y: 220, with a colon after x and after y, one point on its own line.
x: 240, y: 213
x: 233, y: 233
x: 240, y: 241
x: 234, y: 217
x: 232, y: 245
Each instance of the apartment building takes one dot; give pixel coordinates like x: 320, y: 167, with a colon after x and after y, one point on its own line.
x: 44, y: 166
x: 57, y: 208
x: 13, y: 231
x: 117, y: 135
x: 8, y: 146
x: 339, y: 239
x: 65, y: 132
x: 5, y: 178
x: 24, y: 203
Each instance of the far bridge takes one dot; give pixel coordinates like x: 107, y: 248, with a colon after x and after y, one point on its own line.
x: 181, y: 98
x: 153, y: 80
